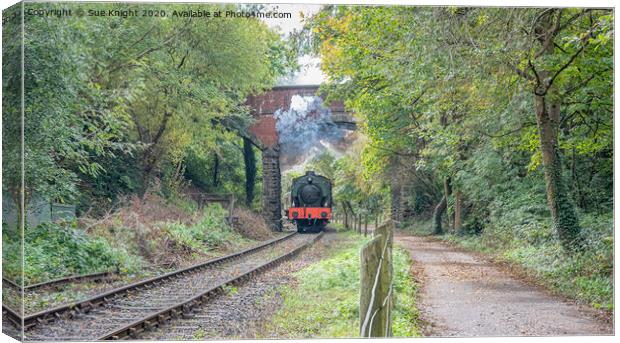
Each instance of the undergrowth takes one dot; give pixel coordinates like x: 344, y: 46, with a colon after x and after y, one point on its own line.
x: 54, y: 250
x: 326, y: 301
x: 128, y: 241
x: 209, y: 233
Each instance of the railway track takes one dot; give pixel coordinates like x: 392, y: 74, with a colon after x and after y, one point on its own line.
x: 70, y: 289
x: 86, y: 305
x: 132, y: 309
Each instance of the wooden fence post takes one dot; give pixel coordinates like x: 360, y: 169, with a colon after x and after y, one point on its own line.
x: 376, y: 284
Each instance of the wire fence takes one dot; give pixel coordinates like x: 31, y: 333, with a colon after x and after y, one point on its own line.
x: 376, y: 283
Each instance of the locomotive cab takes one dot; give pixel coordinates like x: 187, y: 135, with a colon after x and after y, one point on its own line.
x: 311, y: 202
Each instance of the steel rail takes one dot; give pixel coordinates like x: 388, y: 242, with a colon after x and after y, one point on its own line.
x: 186, y: 308
x: 12, y: 315
x: 88, y: 304
x: 61, y: 281
x: 11, y: 283
x: 73, y: 278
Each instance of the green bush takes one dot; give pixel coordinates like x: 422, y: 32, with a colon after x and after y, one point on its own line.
x: 54, y: 250
x: 211, y: 232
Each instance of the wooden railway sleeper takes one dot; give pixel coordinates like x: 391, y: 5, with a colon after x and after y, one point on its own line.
x: 162, y: 319
x: 150, y: 325
x: 86, y: 307
x: 187, y: 311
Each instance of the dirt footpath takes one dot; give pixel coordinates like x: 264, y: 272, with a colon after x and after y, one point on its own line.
x: 463, y: 295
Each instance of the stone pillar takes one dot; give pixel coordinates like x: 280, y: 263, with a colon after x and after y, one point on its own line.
x: 272, y: 208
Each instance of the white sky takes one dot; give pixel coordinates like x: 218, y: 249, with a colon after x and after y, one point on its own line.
x: 310, y: 73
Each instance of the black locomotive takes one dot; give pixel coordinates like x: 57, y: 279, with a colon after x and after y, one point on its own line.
x: 311, y: 202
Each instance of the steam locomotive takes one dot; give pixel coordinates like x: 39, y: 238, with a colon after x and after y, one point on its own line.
x: 311, y: 202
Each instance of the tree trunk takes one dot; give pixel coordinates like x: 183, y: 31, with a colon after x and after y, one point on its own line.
x: 150, y: 156
x: 447, y: 191
x: 249, y: 158
x: 216, y: 169
x: 439, y: 210
x: 575, y: 179
x: 21, y: 210
x: 562, y: 210
x: 458, y: 221
x: 346, y: 216
x: 359, y: 223
x: 547, y: 107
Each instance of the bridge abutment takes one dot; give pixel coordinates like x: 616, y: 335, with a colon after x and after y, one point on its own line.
x: 271, y: 204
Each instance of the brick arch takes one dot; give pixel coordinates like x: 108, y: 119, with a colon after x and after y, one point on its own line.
x: 265, y: 136
x: 265, y: 105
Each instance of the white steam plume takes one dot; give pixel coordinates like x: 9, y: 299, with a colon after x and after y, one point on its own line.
x: 306, y: 130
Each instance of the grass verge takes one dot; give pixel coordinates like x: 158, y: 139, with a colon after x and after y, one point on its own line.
x: 325, y: 301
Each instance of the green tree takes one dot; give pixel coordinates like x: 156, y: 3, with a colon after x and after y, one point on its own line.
x: 435, y: 86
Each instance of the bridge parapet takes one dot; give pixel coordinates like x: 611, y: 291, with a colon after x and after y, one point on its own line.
x: 265, y: 105
x: 278, y: 98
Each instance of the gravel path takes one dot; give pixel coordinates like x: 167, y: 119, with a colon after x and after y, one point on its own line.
x: 464, y: 295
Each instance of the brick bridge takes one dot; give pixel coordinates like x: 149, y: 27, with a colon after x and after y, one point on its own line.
x: 265, y: 137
